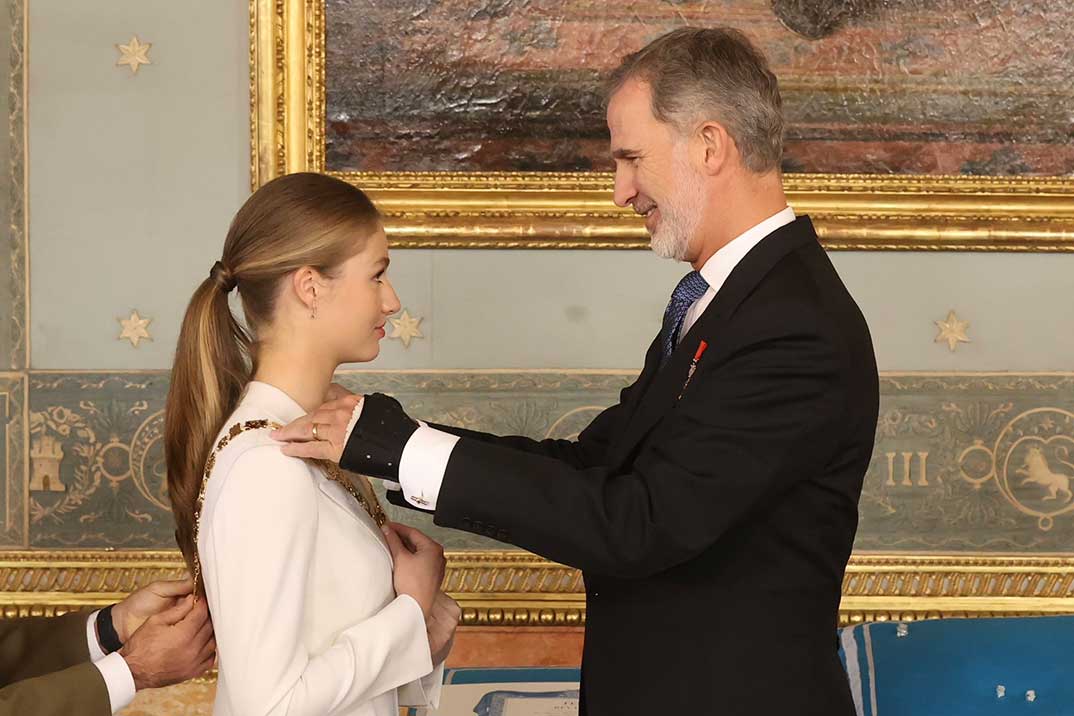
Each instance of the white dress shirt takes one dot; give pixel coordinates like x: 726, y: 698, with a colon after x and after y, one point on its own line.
x: 299, y: 582
x: 426, y: 454
x: 723, y: 262
x: 117, y: 675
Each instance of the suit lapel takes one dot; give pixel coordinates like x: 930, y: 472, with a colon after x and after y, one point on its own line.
x: 339, y: 495
x: 664, y: 385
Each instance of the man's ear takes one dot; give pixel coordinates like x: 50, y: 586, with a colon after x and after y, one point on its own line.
x: 716, y: 146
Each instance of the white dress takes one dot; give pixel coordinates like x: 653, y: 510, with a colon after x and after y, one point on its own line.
x: 299, y: 584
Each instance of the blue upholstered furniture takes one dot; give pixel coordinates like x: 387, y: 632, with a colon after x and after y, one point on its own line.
x: 502, y: 691
x: 949, y: 667
x: 962, y: 667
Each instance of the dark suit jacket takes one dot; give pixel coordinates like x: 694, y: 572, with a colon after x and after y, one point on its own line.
x: 45, y: 669
x: 713, y: 530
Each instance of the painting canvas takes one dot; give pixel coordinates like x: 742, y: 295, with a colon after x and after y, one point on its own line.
x: 971, y: 87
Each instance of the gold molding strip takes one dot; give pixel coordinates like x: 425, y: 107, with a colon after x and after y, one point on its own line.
x: 16, y: 315
x: 557, y: 211
x: 514, y: 588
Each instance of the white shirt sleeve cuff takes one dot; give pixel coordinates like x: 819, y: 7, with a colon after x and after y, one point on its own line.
x: 421, y: 468
x: 95, y: 651
x: 118, y: 680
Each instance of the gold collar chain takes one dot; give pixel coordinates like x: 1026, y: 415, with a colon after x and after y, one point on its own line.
x: 368, y: 500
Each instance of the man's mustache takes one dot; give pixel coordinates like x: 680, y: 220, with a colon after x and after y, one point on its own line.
x: 643, y: 206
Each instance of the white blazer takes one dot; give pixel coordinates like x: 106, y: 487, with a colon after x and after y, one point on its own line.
x: 299, y: 584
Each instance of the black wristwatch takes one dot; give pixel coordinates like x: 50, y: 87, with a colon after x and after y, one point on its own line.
x: 106, y: 631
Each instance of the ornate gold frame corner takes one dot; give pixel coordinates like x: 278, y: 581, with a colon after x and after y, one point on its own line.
x: 540, y: 210
x: 517, y: 589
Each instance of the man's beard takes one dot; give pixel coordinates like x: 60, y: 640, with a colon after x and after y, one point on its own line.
x: 680, y: 217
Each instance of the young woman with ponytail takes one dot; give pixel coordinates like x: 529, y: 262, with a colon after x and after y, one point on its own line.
x: 320, y: 606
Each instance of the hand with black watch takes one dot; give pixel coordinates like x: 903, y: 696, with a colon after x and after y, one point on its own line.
x: 162, y: 635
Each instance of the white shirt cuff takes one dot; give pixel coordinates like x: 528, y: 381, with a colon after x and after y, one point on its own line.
x: 96, y: 653
x: 118, y: 680
x: 421, y: 468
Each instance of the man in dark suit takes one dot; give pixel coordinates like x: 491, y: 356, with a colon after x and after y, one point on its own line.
x: 713, y: 509
x: 91, y: 665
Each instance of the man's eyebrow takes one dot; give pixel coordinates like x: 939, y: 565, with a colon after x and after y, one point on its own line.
x: 625, y: 153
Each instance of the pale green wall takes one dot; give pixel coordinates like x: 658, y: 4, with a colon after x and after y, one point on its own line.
x: 133, y: 181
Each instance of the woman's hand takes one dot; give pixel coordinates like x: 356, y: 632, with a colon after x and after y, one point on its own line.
x: 441, y: 625
x: 419, y: 564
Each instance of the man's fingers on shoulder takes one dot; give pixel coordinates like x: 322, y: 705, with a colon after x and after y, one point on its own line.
x: 302, y: 450
x: 296, y: 429
x: 347, y: 402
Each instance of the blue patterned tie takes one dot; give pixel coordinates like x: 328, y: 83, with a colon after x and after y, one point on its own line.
x: 690, y: 288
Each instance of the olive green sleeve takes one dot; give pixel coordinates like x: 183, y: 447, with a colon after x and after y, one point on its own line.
x: 41, y: 645
x: 75, y: 690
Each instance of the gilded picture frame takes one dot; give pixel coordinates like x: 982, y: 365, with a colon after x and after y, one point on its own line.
x: 574, y: 210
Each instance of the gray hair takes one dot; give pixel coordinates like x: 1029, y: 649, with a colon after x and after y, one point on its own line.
x: 715, y: 74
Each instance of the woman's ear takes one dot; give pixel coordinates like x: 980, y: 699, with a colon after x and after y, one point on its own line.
x: 305, y: 283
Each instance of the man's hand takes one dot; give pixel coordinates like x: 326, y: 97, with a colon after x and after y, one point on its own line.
x: 335, y: 392
x: 172, y: 646
x: 331, y: 420
x: 441, y: 624
x: 148, y: 601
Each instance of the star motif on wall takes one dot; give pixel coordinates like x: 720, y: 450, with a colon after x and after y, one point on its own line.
x: 405, y: 328
x: 134, y: 55
x: 134, y: 329
x: 953, y: 331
